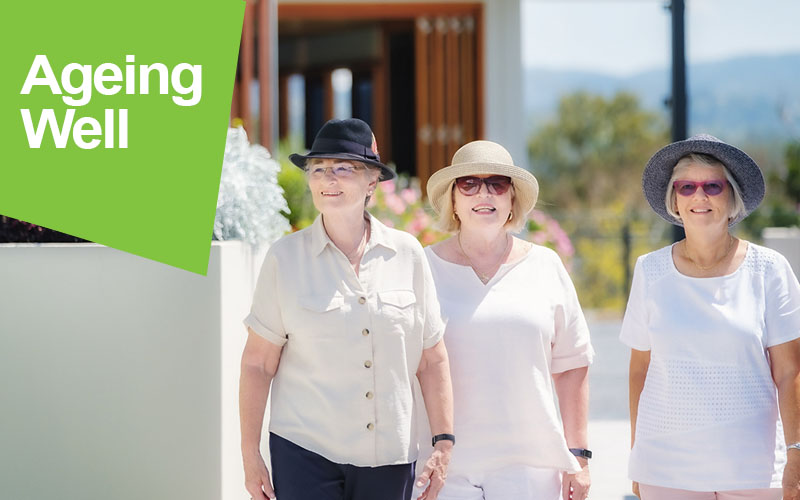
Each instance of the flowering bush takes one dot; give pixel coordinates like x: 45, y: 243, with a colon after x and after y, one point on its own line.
x: 250, y: 200
x: 544, y: 230
x: 404, y: 209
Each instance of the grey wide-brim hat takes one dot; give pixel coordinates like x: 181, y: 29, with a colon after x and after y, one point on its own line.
x: 483, y: 158
x: 744, y: 170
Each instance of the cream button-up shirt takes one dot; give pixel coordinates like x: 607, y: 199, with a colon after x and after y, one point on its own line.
x: 351, y: 344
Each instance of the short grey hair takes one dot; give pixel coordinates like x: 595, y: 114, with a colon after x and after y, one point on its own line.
x: 449, y: 222
x: 736, y: 202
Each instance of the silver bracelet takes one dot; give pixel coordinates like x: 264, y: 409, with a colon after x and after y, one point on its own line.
x: 793, y: 446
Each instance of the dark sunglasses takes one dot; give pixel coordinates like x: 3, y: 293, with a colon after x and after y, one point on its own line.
x: 711, y: 188
x: 496, y: 184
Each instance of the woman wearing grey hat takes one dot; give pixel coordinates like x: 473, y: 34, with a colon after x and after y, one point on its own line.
x: 344, y: 318
x: 713, y: 323
x: 514, y: 327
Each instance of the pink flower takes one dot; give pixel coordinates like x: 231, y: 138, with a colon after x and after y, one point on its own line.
x: 409, y: 196
x: 387, y: 186
x: 395, y: 203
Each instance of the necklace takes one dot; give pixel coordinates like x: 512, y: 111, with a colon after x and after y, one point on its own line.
x: 483, y: 277
x: 716, y: 263
x: 356, y: 254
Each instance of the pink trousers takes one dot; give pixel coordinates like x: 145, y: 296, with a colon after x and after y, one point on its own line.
x: 649, y: 492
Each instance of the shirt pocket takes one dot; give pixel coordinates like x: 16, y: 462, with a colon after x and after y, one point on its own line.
x: 321, y: 316
x: 397, y: 310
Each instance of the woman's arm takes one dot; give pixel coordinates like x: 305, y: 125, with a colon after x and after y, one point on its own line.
x: 785, y: 363
x: 437, y: 391
x: 260, y: 361
x: 637, y: 373
x: 572, y: 388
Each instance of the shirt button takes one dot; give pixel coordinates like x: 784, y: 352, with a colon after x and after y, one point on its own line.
x: 369, y: 395
x: 368, y: 364
x: 362, y: 300
x: 365, y: 332
x: 370, y: 426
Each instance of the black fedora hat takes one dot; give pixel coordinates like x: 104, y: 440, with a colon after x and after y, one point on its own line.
x: 744, y: 170
x: 348, y: 139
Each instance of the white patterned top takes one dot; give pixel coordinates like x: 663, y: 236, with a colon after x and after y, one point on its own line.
x: 708, y: 413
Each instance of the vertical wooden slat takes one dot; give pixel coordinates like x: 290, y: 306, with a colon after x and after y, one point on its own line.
x: 381, y: 119
x: 437, y: 70
x: 478, y: 72
x: 452, y: 83
x: 327, y: 94
x: 265, y: 73
x: 422, y: 41
x: 283, y: 106
x: 468, y: 77
x: 247, y: 62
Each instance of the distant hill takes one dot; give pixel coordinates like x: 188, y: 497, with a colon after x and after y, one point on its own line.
x: 755, y: 98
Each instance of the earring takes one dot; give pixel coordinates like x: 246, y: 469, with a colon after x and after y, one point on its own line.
x: 510, y: 215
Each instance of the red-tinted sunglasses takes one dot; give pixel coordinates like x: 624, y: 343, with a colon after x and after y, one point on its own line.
x: 496, y: 184
x: 711, y: 188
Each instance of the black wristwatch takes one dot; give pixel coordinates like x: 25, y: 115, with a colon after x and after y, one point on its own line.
x: 443, y: 437
x: 581, y: 452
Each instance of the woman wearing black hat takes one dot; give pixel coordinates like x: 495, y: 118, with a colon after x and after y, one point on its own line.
x: 344, y: 317
x: 713, y: 323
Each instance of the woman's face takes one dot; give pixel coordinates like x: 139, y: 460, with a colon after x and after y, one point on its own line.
x: 484, y: 208
x: 340, y: 184
x: 700, y: 209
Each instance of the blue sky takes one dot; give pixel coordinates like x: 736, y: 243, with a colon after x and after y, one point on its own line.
x: 622, y: 37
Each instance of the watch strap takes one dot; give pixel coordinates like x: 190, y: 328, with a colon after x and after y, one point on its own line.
x: 581, y: 452
x: 443, y: 437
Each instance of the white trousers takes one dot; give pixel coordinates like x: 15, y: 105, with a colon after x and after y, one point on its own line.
x: 516, y: 482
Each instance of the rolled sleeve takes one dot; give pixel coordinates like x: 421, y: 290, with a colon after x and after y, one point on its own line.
x: 572, y: 347
x: 265, y: 313
x: 782, y: 315
x: 433, y: 323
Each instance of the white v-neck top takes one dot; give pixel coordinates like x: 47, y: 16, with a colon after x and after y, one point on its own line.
x: 504, y: 339
x: 352, y: 344
x: 708, y: 413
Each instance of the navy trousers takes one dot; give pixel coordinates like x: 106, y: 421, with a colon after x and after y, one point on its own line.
x: 299, y: 474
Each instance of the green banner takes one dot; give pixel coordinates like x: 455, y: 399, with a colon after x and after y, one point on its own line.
x: 113, y: 118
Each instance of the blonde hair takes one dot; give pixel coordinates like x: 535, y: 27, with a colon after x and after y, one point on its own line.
x: 736, y: 203
x: 449, y: 222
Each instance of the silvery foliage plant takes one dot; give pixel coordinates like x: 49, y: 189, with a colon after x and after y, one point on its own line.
x: 250, y: 200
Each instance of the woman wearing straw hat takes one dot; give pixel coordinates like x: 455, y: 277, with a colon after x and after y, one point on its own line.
x: 344, y: 317
x: 514, y: 327
x: 713, y: 323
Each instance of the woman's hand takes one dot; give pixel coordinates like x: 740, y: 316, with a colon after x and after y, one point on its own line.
x: 576, y: 486
x: 435, y: 471
x: 256, y: 478
x: 635, y: 489
x: 791, y: 476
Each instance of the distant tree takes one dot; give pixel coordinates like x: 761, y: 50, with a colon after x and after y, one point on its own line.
x: 589, y: 162
x: 793, y: 171
x: 594, y: 150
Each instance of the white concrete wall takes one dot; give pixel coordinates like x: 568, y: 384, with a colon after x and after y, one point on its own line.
x: 785, y: 240
x: 503, y: 77
x: 119, y: 375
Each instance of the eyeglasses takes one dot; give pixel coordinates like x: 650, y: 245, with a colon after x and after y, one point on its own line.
x: 338, y: 170
x: 688, y: 188
x: 496, y: 184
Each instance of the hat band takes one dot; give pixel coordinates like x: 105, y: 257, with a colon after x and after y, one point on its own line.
x: 322, y: 145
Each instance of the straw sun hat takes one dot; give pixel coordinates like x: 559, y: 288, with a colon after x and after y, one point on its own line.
x: 744, y: 170
x: 483, y: 158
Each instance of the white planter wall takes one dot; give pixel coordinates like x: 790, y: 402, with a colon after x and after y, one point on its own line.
x: 119, y: 375
x: 785, y: 240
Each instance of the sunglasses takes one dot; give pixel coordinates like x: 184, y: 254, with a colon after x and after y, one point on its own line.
x: 688, y: 188
x: 496, y: 184
x: 339, y: 170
